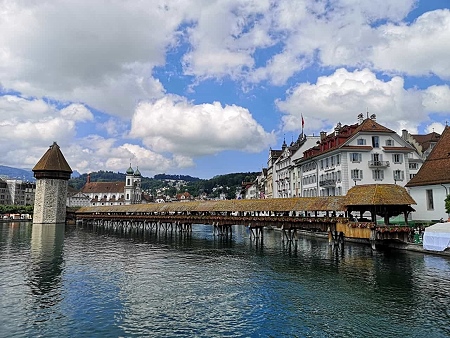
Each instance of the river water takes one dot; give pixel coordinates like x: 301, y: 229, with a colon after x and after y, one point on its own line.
x: 69, y: 282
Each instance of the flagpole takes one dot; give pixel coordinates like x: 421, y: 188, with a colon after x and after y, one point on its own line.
x: 303, y: 124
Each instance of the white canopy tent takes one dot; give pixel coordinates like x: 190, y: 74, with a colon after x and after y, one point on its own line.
x: 437, y: 237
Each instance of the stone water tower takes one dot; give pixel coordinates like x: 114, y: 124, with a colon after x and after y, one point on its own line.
x: 52, y: 173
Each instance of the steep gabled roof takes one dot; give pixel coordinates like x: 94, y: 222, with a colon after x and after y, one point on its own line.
x: 426, y: 140
x: 103, y: 187
x: 370, y: 125
x: 436, y: 168
x: 340, y: 137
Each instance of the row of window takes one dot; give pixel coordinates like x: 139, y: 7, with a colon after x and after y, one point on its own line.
x: 396, y: 158
x: 310, y: 192
x: 310, y: 179
x: 375, y: 142
x: 377, y: 175
x: 331, y: 191
x: 335, y: 176
x: 330, y: 161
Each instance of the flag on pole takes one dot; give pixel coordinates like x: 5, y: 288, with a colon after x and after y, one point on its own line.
x: 303, y: 122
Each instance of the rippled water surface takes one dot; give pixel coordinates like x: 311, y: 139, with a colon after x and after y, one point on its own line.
x: 57, y: 282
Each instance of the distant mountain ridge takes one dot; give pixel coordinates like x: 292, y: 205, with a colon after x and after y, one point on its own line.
x: 22, y: 174
x: 16, y: 173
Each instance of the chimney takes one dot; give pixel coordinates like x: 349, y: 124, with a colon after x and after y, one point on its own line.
x: 323, y: 134
x: 360, y: 118
x: 405, y: 134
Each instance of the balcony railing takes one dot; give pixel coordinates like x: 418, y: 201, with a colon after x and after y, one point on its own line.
x: 327, y: 183
x: 378, y: 164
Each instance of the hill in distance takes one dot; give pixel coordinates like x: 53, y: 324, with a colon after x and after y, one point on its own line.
x: 16, y: 173
x: 23, y: 174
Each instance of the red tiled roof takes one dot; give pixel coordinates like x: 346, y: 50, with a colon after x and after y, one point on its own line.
x: 436, y: 168
x: 397, y: 149
x: 369, y: 125
x: 104, y: 187
x: 337, y: 140
x: 361, y: 148
x: 426, y: 140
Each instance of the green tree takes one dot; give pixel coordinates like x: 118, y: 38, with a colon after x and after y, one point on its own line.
x: 447, y: 204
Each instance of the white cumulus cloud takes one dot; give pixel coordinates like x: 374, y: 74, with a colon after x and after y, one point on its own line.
x: 175, y: 125
x: 341, y: 96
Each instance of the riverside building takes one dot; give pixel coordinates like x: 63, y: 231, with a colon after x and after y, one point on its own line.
x: 330, y: 164
x: 114, y: 193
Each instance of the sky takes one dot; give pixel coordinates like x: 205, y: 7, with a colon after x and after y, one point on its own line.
x: 207, y: 87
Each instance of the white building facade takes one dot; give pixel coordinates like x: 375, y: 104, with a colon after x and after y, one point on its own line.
x: 285, y: 175
x: 364, y: 153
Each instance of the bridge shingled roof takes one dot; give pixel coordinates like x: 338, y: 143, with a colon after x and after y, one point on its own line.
x: 331, y: 203
x: 369, y: 194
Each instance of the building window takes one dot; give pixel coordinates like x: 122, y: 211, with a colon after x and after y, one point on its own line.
x: 411, y: 175
x: 338, y: 159
x: 361, y: 142
x: 397, y: 158
x: 414, y: 166
x: 377, y: 175
x: 399, y: 175
x: 390, y: 143
x: 375, y: 142
x: 355, y: 157
x: 357, y: 174
x: 430, y: 204
x: 128, y: 181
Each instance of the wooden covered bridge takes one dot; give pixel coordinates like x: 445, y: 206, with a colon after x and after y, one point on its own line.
x: 340, y: 216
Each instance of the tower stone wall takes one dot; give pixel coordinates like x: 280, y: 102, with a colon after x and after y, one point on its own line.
x: 49, y: 207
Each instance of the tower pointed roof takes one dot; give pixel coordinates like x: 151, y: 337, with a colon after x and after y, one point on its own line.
x: 52, y: 164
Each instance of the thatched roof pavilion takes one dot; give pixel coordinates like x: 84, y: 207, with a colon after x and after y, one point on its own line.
x: 384, y: 200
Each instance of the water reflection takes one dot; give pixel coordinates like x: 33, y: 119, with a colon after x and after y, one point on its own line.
x: 165, y: 284
x: 46, y: 262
